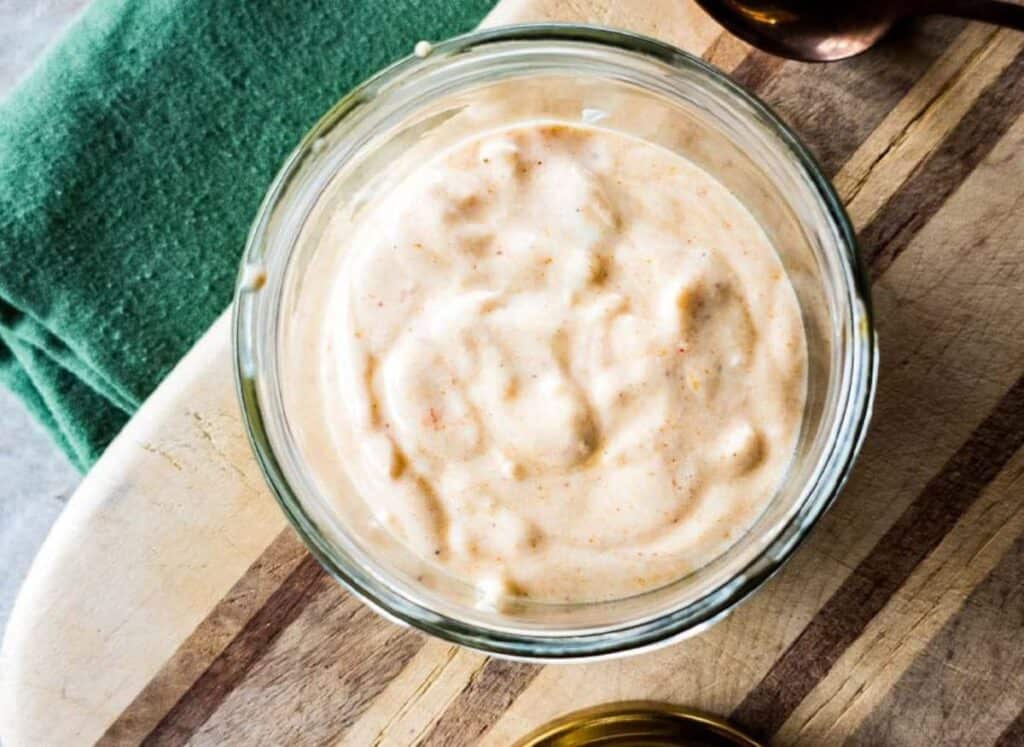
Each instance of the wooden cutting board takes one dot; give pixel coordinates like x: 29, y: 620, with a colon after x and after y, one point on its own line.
x: 172, y: 604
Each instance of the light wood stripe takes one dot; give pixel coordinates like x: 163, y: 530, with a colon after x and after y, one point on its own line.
x: 869, y: 669
x: 487, y: 695
x: 922, y: 119
x: 727, y: 51
x: 208, y: 641
x: 191, y: 711
x: 887, y: 565
x: 874, y: 581
x: 932, y: 182
x: 853, y: 680
x: 317, y: 676
x: 968, y: 686
x: 414, y: 700
x: 836, y: 107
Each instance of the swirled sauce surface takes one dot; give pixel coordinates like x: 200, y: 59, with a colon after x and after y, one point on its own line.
x: 560, y: 363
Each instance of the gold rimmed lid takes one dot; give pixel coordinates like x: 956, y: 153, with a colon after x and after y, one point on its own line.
x: 637, y: 724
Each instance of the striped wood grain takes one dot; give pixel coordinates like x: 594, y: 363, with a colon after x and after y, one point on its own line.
x: 895, y: 623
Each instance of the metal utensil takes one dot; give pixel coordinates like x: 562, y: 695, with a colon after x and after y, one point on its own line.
x: 823, y: 31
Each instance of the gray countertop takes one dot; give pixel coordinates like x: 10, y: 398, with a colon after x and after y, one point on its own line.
x: 37, y: 481
x: 36, y: 478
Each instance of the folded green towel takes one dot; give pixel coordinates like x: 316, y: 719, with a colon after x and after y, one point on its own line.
x: 132, y: 161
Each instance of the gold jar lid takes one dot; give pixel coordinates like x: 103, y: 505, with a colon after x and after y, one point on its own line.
x: 637, y: 724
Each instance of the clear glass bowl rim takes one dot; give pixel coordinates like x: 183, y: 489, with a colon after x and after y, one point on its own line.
x: 677, y: 623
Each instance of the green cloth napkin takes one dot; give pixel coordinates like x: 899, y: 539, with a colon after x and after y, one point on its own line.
x: 132, y: 161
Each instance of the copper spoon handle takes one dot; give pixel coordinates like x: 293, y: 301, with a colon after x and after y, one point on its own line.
x: 997, y: 12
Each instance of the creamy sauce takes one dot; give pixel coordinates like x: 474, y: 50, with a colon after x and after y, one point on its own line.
x: 557, y: 362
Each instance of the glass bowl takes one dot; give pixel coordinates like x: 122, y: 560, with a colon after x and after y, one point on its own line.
x: 622, y: 82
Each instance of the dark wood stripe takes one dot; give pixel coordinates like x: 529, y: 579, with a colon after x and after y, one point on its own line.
x: 1013, y: 735
x: 317, y: 678
x: 871, y: 585
x: 486, y: 696
x: 228, y: 669
x: 969, y: 680
x: 893, y: 558
x: 208, y: 640
x: 311, y: 646
x: 936, y: 178
x: 756, y: 70
x: 835, y: 107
